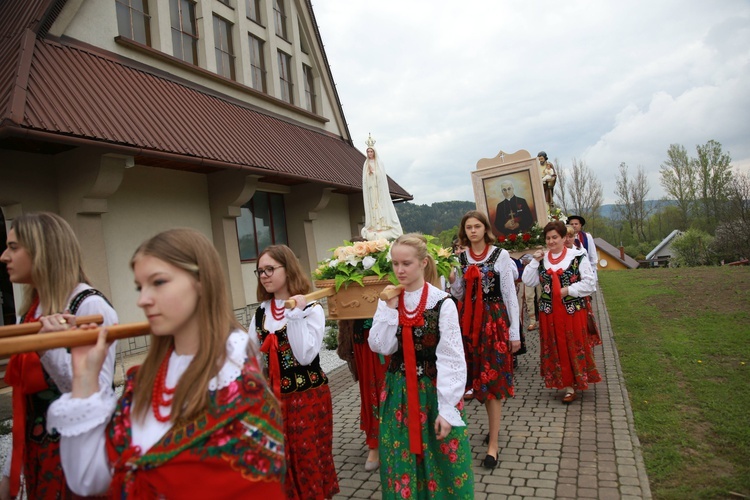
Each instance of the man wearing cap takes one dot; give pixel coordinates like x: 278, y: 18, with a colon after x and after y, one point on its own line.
x: 584, y: 239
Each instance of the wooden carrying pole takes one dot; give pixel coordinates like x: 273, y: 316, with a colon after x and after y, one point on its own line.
x: 318, y: 294
x: 69, y: 338
x: 391, y: 292
x: 29, y: 328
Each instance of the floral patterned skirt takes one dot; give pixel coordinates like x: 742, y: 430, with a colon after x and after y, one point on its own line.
x: 43, y: 473
x: 490, y: 364
x: 566, y: 353
x: 308, y: 434
x: 371, y: 375
x: 443, y: 470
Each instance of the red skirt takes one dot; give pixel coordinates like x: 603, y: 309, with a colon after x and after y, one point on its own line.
x: 371, y: 375
x: 565, y: 351
x: 308, y: 434
x: 490, y: 364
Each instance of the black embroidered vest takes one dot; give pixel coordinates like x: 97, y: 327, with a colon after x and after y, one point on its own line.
x: 571, y: 275
x: 491, y: 291
x: 426, y: 339
x: 294, y: 376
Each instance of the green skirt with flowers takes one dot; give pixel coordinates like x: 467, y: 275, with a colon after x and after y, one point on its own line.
x: 444, y: 468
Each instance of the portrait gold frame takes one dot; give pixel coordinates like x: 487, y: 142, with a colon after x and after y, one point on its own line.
x: 523, y: 170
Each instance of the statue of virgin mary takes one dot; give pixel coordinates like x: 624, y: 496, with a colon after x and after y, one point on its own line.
x: 381, y: 220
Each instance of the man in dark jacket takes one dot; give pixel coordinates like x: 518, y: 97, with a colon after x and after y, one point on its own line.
x: 512, y: 214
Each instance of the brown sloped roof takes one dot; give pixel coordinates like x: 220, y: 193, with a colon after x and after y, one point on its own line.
x: 628, y: 261
x: 71, y: 93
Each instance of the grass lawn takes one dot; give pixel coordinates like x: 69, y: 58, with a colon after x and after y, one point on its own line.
x: 683, y: 336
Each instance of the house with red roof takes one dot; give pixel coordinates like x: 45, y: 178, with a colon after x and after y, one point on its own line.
x: 129, y: 117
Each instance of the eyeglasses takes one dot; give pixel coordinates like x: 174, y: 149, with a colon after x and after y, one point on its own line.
x: 266, y: 271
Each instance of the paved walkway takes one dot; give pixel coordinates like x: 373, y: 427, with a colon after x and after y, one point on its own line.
x: 587, y: 449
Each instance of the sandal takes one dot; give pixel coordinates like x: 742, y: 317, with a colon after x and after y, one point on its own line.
x: 569, y: 397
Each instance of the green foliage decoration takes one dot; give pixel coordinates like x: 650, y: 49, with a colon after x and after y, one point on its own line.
x: 352, y: 262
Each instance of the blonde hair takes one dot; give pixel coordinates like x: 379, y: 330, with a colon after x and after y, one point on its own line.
x: 192, y: 252
x: 419, y: 244
x: 297, y: 281
x: 56, y: 261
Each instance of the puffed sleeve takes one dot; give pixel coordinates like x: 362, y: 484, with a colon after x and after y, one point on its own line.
x: 504, y: 268
x: 81, y: 423
x: 305, y: 330
x: 451, y: 365
x: 587, y: 285
x: 531, y: 273
x: 57, y: 362
x: 382, y: 337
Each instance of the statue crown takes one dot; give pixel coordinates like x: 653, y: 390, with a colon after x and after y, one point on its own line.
x: 370, y: 142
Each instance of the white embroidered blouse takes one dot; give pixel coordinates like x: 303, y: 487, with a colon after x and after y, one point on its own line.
x: 304, y: 328
x: 583, y: 288
x: 451, y: 363
x: 82, y: 421
x: 507, y: 270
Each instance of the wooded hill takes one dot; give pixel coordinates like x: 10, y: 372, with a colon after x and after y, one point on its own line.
x: 432, y: 219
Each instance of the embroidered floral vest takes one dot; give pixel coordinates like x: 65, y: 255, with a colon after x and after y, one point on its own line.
x: 426, y: 339
x: 294, y: 376
x: 239, y: 438
x: 491, y: 291
x: 570, y: 276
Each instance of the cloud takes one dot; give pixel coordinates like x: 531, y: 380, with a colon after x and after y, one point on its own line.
x: 606, y: 82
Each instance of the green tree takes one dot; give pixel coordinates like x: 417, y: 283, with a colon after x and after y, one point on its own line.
x: 678, y: 177
x: 714, y: 174
x: 693, y: 248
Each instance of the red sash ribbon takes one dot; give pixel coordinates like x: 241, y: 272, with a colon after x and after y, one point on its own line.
x: 559, y: 317
x: 408, y: 321
x: 471, y: 319
x: 271, y: 347
x: 25, y: 374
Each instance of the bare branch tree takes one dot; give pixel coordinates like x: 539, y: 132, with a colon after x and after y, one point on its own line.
x: 584, y: 190
x: 560, y: 185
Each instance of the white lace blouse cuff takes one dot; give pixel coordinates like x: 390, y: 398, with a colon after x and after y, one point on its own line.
x: 451, y: 414
x: 385, y: 314
x: 75, y: 416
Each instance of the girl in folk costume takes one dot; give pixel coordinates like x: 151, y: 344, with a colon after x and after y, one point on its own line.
x: 43, y: 254
x: 424, y: 444
x: 566, y: 278
x: 197, y: 417
x: 489, y: 321
x: 369, y: 370
x: 291, y: 341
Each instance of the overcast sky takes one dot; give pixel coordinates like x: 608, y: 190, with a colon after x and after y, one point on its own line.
x: 441, y: 85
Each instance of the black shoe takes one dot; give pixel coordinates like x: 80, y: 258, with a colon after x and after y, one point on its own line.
x: 486, y: 439
x: 515, y: 362
x: 489, y: 462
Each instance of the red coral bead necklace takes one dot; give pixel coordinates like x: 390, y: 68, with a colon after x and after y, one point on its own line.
x: 557, y: 260
x: 480, y: 256
x: 277, y: 312
x: 160, y: 392
x: 405, y: 315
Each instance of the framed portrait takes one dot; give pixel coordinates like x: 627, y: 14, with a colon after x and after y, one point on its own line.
x: 508, y: 188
